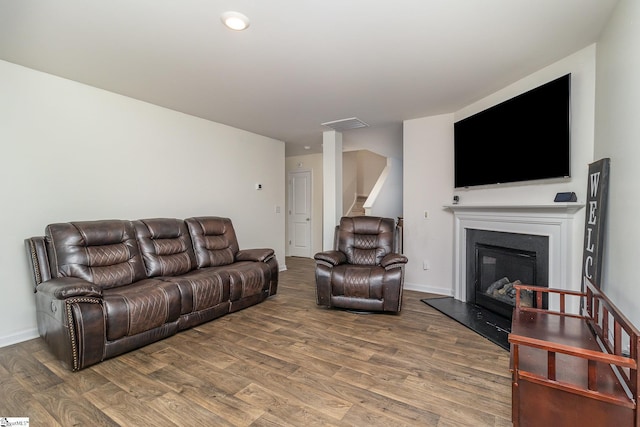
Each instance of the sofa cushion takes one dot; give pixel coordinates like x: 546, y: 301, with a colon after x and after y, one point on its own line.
x: 202, y: 289
x: 165, y: 245
x: 214, y: 240
x: 140, y: 307
x: 365, y: 240
x: 247, y: 279
x: 103, y: 252
x: 357, y: 281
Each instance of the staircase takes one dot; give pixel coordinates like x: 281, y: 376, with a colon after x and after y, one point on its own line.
x: 358, y: 207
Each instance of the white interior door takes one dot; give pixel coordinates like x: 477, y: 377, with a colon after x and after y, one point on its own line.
x: 299, y: 217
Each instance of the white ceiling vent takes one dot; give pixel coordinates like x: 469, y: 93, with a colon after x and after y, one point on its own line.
x: 345, y: 124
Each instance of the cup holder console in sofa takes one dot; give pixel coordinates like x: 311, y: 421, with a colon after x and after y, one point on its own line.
x: 106, y: 287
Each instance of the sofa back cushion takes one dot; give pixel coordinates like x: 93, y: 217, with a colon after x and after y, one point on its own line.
x: 365, y: 240
x: 102, y: 252
x: 214, y: 240
x: 165, y: 245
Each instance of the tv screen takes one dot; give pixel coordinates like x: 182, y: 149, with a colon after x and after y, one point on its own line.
x: 522, y: 139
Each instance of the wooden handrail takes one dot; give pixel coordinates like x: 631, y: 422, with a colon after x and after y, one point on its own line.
x: 597, y: 356
x: 550, y: 290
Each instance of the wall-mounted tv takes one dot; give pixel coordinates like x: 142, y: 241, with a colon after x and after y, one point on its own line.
x: 522, y: 139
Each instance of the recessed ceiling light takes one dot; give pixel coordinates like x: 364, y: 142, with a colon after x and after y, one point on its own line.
x: 235, y: 20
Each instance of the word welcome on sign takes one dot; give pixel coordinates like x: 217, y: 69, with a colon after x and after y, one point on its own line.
x: 597, y: 191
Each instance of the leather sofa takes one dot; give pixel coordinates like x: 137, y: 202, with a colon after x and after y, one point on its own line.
x: 107, y: 287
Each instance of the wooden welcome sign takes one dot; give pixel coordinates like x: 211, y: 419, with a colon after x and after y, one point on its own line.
x: 597, y: 191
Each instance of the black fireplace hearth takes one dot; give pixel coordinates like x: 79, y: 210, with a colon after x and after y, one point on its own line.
x: 495, y: 262
x: 490, y: 325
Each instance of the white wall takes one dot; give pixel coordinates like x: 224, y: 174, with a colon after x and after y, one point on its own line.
x: 618, y: 136
x: 383, y: 140
x: 387, y: 192
x: 349, y: 180
x: 428, y: 177
x: 370, y: 166
x: 73, y: 152
x: 428, y: 185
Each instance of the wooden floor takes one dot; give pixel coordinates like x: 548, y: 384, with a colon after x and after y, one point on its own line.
x: 284, y: 362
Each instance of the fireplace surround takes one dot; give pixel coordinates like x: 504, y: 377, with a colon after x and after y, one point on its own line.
x: 554, y: 222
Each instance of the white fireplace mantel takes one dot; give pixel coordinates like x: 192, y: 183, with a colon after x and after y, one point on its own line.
x: 567, y: 208
x: 552, y: 220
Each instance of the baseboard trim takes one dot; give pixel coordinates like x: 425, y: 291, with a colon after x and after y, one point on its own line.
x: 18, y: 337
x: 420, y: 287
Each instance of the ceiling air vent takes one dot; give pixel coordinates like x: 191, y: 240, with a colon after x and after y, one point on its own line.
x: 345, y: 124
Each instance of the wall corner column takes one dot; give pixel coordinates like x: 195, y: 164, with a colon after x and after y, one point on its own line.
x: 332, y: 185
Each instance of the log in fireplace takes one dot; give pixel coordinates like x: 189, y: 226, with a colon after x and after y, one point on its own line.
x: 498, y: 260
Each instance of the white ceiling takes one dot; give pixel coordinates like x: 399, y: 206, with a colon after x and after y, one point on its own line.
x: 301, y: 62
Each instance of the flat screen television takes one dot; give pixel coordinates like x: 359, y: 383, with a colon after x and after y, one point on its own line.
x: 522, y: 139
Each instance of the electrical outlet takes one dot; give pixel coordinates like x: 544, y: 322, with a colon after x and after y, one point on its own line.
x: 425, y: 265
x: 426, y: 214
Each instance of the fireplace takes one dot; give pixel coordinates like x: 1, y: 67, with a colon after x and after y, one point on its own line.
x: 554, y: 221
x: 497, y: 245
x: 496, y: 261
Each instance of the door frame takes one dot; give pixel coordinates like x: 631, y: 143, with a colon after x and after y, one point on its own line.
x: 308, y: 172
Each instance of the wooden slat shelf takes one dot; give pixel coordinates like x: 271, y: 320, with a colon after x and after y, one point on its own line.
x: 568, y: 369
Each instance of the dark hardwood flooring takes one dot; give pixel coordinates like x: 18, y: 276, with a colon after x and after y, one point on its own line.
x: 284, y: 362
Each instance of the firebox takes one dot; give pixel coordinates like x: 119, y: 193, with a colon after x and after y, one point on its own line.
x: 496, y: 261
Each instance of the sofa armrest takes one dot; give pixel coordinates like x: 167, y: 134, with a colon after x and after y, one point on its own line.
x: 38, y: 259
x: 393, y: 260
x: 67, y: 287
x: 259, y: 255
x: 332, y: 258
x: 72, y: 320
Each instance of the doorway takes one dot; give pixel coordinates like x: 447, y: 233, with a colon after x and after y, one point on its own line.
x: 299, y: 215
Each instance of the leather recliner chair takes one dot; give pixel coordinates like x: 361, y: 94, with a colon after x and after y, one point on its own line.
x: 363, y: 272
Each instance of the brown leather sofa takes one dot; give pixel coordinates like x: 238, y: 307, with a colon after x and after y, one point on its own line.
x: 106, y: 287
x: 364, y: 271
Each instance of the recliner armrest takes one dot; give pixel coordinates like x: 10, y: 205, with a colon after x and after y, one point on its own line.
x: 37, y: 253
x: 259, y: 255
x: 331, y: 257
x: 393, y: 260
x: 67, y: 287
